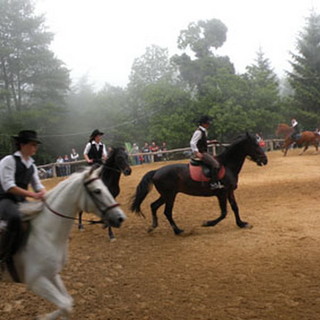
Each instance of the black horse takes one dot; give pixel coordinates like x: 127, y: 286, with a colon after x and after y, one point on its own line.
x: 117, y: 163
x: 172, y: 179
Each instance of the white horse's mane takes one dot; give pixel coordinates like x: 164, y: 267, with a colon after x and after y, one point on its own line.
x: 31, y: 209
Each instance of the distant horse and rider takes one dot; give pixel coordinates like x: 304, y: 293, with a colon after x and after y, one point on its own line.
x: 305, y: 138
x: 172, y: 179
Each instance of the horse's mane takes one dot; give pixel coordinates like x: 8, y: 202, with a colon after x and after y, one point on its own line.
x: 235, y: 146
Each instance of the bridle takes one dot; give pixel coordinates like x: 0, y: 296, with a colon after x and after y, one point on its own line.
x: 94, y: 199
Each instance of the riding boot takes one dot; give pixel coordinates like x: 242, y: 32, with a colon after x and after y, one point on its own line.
x: 214, y: 182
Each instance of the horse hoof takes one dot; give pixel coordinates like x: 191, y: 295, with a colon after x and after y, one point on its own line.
x: 247, y: 226
x: 207, y: 223
x: 150, y: 229
x: 112, y: 239
x: 178, y: 232
x: 81, y: 228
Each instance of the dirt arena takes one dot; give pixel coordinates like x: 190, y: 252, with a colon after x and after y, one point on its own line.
x: 269, y: 272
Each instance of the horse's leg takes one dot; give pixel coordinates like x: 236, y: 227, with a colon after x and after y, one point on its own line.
x: 52, y: 291
x: 235, y: 208
x: 222, y: 197
x: 80, y: 225
x: 168, y: 214
x: 112, y: 237
x: 154, y: 207
x: 286, y: 146
x: 304, y: 149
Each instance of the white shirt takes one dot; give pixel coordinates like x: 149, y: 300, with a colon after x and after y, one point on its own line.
x: 97, y: 145
x: 74, y: 156
x: 196, y: 137
x: 8, y: 170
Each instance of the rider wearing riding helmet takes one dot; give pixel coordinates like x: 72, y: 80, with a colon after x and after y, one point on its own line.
x: 199, y: 147
x: 17, y: 172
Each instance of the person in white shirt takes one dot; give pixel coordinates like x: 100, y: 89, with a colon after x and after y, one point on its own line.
x: 17, y: 172
x: 74, y: 155
x: 95, y: 151
x: 199, y: 148
x: 296, y: 129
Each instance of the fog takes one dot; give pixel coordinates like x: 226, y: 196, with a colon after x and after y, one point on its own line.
x: 102, y: 38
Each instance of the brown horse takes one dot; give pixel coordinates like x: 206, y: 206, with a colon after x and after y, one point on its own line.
x: 305, y: 138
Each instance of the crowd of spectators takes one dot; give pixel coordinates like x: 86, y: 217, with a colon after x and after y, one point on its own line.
x: 148, y: 153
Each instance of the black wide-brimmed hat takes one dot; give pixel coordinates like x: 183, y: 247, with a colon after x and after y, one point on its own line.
x: 205, y: 120
x: 95, y: 133
x: 26, y: 136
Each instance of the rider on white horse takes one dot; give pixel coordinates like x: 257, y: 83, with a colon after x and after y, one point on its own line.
x: 17, y: 172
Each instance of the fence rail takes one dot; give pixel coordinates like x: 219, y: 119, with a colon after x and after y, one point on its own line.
x: 64, y: 169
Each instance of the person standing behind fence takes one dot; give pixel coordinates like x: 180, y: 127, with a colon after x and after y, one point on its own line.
x: 67, y: 168
x: 74, y: 156
x: 146, y: 149
x: 95, y: 151
x: 17, y: 172
x: 154, y: 148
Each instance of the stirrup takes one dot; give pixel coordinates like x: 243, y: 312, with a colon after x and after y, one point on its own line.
x: 216, y: 185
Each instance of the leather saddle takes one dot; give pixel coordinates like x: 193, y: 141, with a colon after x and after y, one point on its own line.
x: 200, y: 172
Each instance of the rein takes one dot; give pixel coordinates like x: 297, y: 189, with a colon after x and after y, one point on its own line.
x: 93, y: 199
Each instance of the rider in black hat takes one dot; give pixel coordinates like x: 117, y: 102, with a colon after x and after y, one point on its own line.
x: 95, y: 151
x: 199, y: 147
x: 17, y: 172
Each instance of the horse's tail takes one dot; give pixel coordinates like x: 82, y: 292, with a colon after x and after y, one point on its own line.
x: 142, y: 191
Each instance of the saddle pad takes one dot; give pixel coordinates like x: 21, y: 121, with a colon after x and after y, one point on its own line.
x: 196, y: 173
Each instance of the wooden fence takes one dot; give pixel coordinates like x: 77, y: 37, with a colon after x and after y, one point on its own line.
x: 64, y: 169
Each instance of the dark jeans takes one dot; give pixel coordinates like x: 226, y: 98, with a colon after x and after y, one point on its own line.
x: 213, y: 165
x: 12, y: 235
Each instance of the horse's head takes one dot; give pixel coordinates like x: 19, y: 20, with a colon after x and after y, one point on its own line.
x: 119, y: 159
x: 100, y: 201
x: 253, y: 150
x: 283, y: 130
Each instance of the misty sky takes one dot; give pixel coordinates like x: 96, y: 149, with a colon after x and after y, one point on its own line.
x: 101, y: 38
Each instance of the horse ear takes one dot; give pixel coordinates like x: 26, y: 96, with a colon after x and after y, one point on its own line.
x: 94, y: 168
x: 98, y: 170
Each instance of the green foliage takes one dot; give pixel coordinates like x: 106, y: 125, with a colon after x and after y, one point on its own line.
x: 200, y: 37
x: 305, y: 77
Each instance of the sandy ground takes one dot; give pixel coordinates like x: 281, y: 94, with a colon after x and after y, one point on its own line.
x: 269, y: 272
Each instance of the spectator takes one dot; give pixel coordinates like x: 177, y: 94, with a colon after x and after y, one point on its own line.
x: 146, y: 149
x: 74, y: 156
x: 95, y: 151
x: 154, y: 148
x: 134, y: 152
x: 59, y: 167
x: 67, y: 169
x: 163, y: 156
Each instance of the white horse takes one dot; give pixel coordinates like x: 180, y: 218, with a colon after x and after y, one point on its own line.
x: 39, y: 262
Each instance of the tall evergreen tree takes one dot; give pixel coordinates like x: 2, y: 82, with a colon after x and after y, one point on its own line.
x: 30, y: 75
x: 305, y: 75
